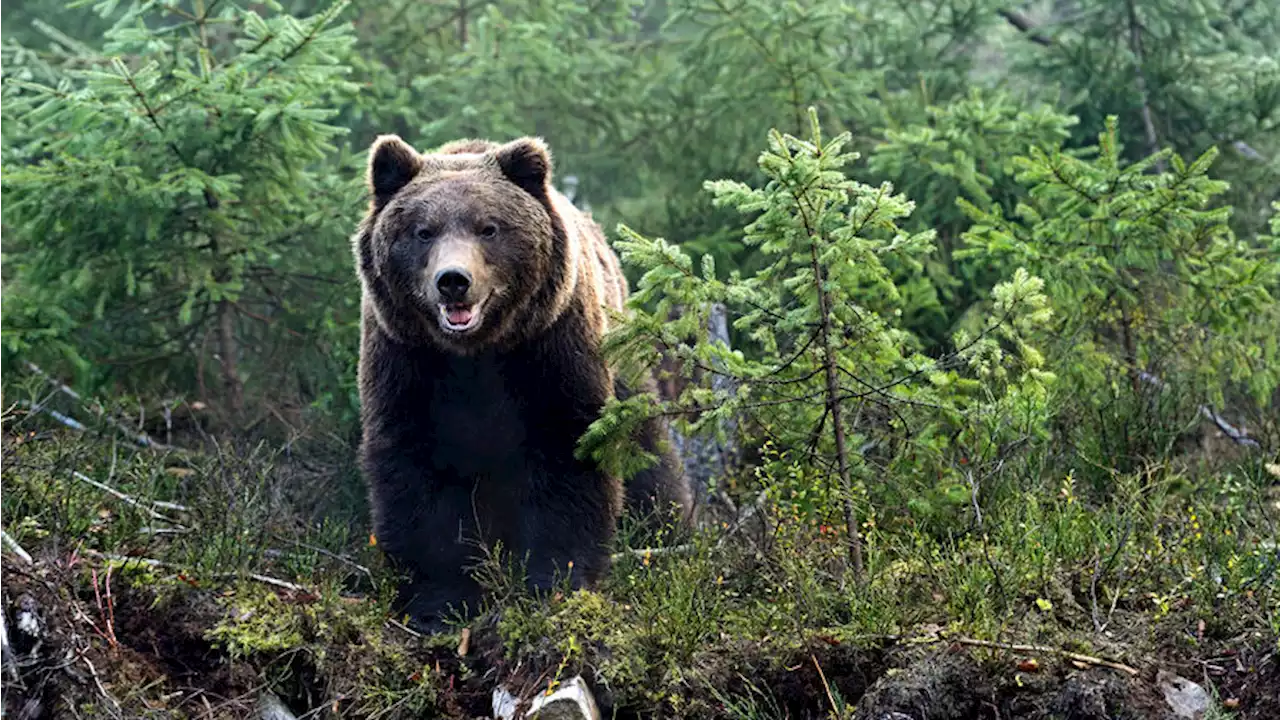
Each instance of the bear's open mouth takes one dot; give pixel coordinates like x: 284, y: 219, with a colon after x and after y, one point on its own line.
x: 460, y: 317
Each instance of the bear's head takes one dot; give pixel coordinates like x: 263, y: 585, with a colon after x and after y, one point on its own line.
x: 463, y: 248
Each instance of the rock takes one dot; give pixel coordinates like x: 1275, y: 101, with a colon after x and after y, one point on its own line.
x: 573, y: 701
x: 28, y: 617
x: 936, y: 686
x: 504, y: 704
x: 271, y: 707
x: 1186, y: 699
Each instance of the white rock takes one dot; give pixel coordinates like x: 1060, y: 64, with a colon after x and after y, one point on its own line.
x: 504, y: 704
x: 271, y: 707
x: 1186, y: 699
x: 573, y: 701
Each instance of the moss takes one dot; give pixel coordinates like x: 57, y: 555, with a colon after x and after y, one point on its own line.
x: 256, y: 621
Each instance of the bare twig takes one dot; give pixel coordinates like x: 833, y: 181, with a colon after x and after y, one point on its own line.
x: 6, y: 652
x: 140, y: 438
x: 1246, y: 150
x: 150, y: 511
x: 64, y: 419
x: 152, y: 562
x: 1088, y: 659
x: 14, y: 547
x: 267, y: 580
x: 93, y: 671
x: 647, y: 552
x: 1140, y: 80
x: 402, y: 627
x: 329, y: 554
x: 1237, y: 435
x: 825, y: 686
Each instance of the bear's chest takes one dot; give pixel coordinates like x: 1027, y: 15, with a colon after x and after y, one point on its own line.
x: 477, y: 418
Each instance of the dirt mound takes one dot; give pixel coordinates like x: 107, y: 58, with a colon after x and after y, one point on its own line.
x: 152, y: 650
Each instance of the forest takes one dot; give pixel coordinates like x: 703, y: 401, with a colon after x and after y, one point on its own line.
x: 963, y: 315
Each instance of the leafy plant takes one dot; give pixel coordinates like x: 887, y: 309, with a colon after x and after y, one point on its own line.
x: 830, y: 374
x: 171, y: 204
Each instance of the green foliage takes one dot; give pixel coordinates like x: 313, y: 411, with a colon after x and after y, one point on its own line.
x: 830, y: 373
x: 964, y: 149
x: 169, y: 201
x: 943, y: 352
x: 1149, y: 284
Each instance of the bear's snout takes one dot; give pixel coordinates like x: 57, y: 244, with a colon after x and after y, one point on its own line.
x: 459, y: 282
x: 453, y: 284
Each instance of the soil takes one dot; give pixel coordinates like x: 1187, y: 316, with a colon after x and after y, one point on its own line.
x: 157, y: 663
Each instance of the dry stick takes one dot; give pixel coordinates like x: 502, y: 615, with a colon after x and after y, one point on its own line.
x: 98, y: 681
x: 1089, y: 659
x: 140, y: 438
x: 1237, y: 435
x: 328, y: 553
x: 401, y: 626
x: 6, y: 653
x: 152, y: 562
x: 1140, y: 80
x: 13, y: 545
x: 65, y: 420
x: 125, y: 498
x: 823, y: 676
x: 1025, y: 26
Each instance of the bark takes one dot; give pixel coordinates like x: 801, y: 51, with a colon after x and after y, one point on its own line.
x: 837, y: 421
x: 227, y: 351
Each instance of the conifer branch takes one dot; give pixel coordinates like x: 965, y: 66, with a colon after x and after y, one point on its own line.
x: 1025, y: 26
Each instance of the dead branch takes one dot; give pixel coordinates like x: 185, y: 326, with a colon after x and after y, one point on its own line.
x: 1237, y: 435
x: 267, y: 580
x: 64, y: 419
x: 141, y: 438
x: 6, y: 652
x: 1024, y: 26
x: 405, y: 628
x: 1246, y: 150
x: 93, y: 672
x: 1087, y: 659
x: 152, y: 562
x: 150, y: 511
x: 1140, y: 81
x: 14, y: 547
x: 329, y: 554
x: 648, y: 552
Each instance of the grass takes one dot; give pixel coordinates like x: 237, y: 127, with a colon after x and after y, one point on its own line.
x: 199, y: 577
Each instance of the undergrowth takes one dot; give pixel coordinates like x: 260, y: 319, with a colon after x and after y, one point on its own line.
x: 1172, y: 558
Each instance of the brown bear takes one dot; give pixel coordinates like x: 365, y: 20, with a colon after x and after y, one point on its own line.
x: 483, y: 306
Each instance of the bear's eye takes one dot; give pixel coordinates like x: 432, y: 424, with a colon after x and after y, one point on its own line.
x: 424, y: 233
x: 489, y: 231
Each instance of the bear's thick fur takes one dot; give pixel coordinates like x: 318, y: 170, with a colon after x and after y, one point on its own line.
x: 483, y: 305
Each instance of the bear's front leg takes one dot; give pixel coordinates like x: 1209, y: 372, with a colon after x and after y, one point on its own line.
x: 423, y: 527
x: 567, y: 529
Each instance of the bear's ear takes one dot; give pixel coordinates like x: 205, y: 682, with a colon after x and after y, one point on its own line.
x: 527, y: 163
x: 392, y: 164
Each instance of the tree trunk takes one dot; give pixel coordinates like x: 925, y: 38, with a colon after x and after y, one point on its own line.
x: 227, y: 351
x: 837, y: 421
x: 705, y: 457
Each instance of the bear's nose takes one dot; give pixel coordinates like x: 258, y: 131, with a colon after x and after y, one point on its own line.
x: 453, y: 284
